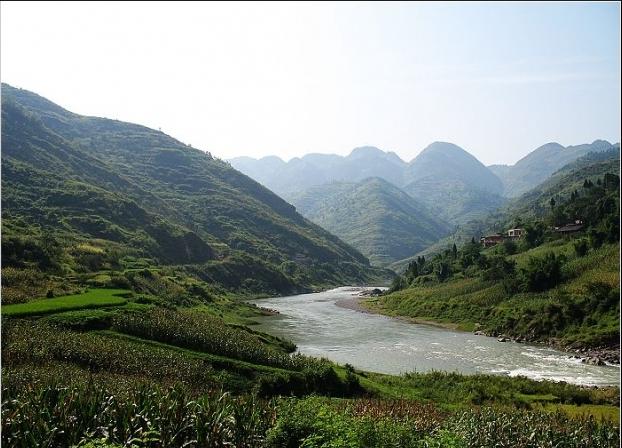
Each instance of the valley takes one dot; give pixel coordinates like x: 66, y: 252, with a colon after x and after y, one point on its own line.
x: 153, y: 295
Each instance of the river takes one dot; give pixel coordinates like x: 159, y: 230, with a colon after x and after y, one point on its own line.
x: 382, y: 344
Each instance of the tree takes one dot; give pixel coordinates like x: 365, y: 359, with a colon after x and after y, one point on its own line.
x: 611, y: 181
x: 499, y: 268
x: 552, y: 202
x: 398, y: 283
x: 454, y: 251
x: 542, y: 273
x: 534, y: 234
x: 509, y: 247
x: 442, y: 271
x: 470, y: 254
x: 596, y: 238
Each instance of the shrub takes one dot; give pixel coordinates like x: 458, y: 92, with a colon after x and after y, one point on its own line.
x: 581, y: 246
x: 509, y: 247
x: 542, y: 273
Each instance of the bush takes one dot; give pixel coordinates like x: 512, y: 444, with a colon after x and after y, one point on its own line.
x: 499, y: 268
x: 581, y: 246
x: 542, y: 273
x: 534, y: 235
x: 596, y: 238
x: 509, y: 247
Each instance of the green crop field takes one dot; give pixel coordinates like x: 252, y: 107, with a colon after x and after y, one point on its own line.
x: 94, y: 298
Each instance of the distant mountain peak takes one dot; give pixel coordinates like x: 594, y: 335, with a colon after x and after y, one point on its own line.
x: 549, y: 146
x: 601, y: 143
x: 364, y: 151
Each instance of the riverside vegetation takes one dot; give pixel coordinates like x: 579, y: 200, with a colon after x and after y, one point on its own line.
x: 125, y: 254
x: 544, y: 287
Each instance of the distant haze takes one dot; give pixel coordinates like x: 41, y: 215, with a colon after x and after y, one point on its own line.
x: 289, y: 79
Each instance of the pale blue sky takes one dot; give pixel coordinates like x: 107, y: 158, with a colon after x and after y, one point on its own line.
x: 288, y: 79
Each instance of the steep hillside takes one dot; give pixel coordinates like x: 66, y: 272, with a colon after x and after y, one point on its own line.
x: 374, y: 216
x: 77, y: 179
x: 539, y: 164
x: 562, y: 288
x: 563, y: 183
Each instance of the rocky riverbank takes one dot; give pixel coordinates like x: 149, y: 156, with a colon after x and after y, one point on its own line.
x: 598, y: 356
x: 589, y: 355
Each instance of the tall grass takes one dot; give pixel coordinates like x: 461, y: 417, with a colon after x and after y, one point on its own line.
x: 202, y: 332
x: 55, y: 416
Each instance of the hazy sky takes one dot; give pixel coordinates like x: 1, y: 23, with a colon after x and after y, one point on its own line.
x: 288, y: 79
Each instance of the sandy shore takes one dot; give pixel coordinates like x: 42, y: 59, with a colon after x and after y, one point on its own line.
x: 355, y: 304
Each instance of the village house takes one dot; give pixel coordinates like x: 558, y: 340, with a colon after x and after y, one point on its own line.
x: 491, y: 240
x: 515, y: 234
x: 570, y: 228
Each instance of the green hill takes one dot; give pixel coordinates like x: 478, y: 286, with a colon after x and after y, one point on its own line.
x: 533, y: 204
x: 453, y: 183
x: 541, y: 163
x: 377, y: 218
x: 546, y: 286
x: 564, y: 182
x: 76, y: 187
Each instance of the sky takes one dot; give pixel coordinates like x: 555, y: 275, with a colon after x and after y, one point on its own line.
x: 288, y: 79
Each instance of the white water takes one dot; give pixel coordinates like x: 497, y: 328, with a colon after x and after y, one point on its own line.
x: 382, y: 344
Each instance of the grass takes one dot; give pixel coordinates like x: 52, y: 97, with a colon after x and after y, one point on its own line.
x: 65, y: 387
x: 94, y: 298
x: 598, y: 411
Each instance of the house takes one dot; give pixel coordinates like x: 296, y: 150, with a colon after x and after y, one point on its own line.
x: 491, y: 240
x: 515, y: 234
x: 570, y: 228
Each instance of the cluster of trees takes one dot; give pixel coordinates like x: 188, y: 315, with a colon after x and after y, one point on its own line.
x: 596, y: 205
x: 540, y: 274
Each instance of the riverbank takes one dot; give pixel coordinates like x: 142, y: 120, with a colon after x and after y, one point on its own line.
x: 362, y: 305
x: 588, y: 355
x: 337, y: 325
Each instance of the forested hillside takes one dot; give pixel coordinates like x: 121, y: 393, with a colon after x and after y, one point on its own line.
x: 539, y: 164
x: 376, y: 217
x: 557, y: 283
x: 121, y: 196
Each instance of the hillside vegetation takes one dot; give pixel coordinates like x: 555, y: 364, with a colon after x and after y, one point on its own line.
x: 374, y: 216
x: 541, y: 163
x: 83, y: 195
x: 543, y: 287
x: 534, y: 204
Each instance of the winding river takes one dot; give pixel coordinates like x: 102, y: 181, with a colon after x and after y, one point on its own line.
x: 372, y: 342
